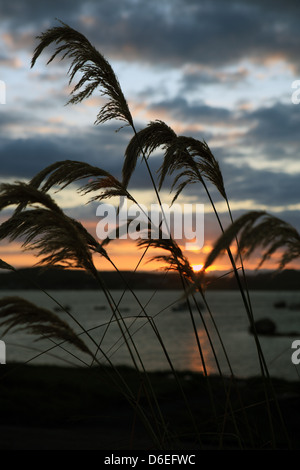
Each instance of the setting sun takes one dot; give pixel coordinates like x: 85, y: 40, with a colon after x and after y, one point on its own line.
x: 197, y: 267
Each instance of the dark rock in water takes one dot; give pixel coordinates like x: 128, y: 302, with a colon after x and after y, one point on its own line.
x: 64, y: 308
x: 265, y: 326
x: 280, y: 304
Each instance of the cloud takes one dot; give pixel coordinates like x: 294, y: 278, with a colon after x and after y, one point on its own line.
x: 180, y: 109
x: 262, y: 186
x: 280, y: 123
x: 18, y: 40
x: 250, y: 189
x: 11, y: 62
x: 98, y: 146
x: 210, y: 33
x: 270, y: 139
x: 25, y: 157
x: 193, y: 78
x: 217, y: 43
x: 271, y: 134
x: 20, y: 15
x: 174, y: 32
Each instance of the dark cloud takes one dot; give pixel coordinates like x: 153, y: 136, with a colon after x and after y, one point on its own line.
x: 275, y: 131
x: 13, y: 117
x: 98, y: 146
x: 279, y: 123
x: 25, y: 157
x: 244, y: 184
x: 272, y: 133
x: 21, y: 15
x: 193, y: 79
x: 262, y: 186
x: 213, y: 33
x: 209, y: 33
x: 199, y: 113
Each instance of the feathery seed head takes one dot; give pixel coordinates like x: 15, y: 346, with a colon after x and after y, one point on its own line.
x: 21, y: 314
x: 270, y: 233
x: 95, y: 69
x: 146, y: 141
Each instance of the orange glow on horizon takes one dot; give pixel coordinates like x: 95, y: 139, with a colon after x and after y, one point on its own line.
x: 213, y: 267
x: 127, y: 257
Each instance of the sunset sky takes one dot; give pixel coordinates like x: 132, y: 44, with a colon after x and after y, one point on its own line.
x: 216, y: 70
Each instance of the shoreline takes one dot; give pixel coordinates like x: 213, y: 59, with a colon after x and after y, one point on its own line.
x: 69, y: 279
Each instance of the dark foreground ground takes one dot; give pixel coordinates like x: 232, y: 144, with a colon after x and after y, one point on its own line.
x: 53, y: 408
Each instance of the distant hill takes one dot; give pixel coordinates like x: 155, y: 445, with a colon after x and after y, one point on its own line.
x: 288, y: 279
x: 56, y: 279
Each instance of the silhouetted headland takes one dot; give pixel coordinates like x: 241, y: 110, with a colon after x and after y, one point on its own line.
x: 57, y: 278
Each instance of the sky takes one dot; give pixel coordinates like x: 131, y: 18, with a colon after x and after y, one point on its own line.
x: 219, y: 71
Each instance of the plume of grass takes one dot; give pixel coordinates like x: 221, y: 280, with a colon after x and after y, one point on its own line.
x: 20, y: 314
x: 96, y: 73
x: 95, y: 70
x: 54, y: 238
x: 22, y: 194
x: 144, y: 142
x: 194, y: 160
x: 175, y: 259
x: 64, y: 173
x: 259, y: 229
x: 46, y: 229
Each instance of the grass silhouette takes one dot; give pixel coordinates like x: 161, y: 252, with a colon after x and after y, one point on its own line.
x: 59, y: 240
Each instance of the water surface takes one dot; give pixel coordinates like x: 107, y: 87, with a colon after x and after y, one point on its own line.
x: 176, y: 330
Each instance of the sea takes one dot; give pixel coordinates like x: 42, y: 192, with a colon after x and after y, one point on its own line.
x: 152, y: 332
